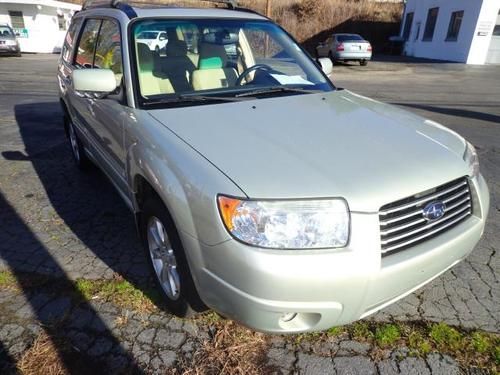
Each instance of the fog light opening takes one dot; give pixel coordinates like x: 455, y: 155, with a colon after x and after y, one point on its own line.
x: 288, y: 317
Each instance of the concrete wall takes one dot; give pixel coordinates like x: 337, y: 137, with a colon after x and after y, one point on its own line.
x: 43, y: 30
x: 439, y: 48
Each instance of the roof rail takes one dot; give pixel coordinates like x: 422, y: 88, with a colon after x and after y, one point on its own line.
x: 117, y: 4
x: 87, y: 4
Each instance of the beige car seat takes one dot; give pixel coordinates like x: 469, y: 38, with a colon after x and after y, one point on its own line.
x: 212, y: 72
x: 150, y: 83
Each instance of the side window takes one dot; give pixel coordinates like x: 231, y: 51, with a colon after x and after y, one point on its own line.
x: 86, y: 46
x: 16, y: 19
x: 108, y: 54
x: 69, y: 41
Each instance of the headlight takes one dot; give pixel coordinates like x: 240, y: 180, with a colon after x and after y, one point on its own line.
x: 296, y: 224
x: 470, y: 157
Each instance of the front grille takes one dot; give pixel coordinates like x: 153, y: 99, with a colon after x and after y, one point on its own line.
x: 403, y: 225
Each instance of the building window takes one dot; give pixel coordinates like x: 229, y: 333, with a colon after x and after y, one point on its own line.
x: 407, y: 26
x: 16, y: 19
x: 430, y: 24
x: 454, y: 27
x: 496, y: 30
x: 61, y: 22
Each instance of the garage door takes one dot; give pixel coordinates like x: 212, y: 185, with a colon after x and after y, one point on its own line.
x: 494, y: 50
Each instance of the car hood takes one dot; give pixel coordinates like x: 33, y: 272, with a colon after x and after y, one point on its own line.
x: 335, y: 144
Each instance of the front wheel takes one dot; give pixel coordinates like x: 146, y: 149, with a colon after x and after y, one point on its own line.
x: 168, y: 261
x: 363, y: 62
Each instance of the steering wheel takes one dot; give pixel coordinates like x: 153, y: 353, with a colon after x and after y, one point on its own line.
x: 247, y: 71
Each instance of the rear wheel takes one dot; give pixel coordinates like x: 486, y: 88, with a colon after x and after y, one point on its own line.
x: 363, y: 62
x: 77, y: 150
x: 168, y: 261
x: 332, y: 58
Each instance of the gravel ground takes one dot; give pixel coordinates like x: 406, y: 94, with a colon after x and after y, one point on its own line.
x: 59, y: 222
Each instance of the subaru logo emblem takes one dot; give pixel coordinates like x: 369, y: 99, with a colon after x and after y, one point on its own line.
x: 434, y: 211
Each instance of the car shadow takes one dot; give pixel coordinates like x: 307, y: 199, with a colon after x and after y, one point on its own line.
x: 94, y: 216
x: 7, y: 363
x: 55, y: 314
x: 85, y: 200
x: 457, y: 112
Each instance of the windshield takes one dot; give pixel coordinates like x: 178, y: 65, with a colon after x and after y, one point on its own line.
x: 221, y: 57
x: 348, y: 37
x: 6, y: 31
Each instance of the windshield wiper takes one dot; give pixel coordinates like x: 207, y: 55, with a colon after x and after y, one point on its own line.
x: 193, y: 99
x: 273, y: 89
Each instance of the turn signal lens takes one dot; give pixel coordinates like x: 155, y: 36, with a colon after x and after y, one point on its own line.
x: 227, y: 207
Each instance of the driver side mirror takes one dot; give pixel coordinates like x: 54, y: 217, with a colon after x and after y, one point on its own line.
x: 326, y: 65
x: 162, y: 37
x: 98, y: 81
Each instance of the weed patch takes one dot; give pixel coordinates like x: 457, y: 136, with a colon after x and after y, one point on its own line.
x: 387, y: 334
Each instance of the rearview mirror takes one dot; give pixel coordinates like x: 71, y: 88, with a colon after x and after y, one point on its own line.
x: 94, y: 80
x: 326, y: 65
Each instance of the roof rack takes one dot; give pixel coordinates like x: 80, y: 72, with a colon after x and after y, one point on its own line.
x: 88, y: 4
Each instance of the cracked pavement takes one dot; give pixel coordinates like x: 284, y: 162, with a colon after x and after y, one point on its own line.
x: 59, y: 222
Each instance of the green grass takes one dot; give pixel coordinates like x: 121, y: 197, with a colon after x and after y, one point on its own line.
x: 361, y: 330
x: 387, y: 334
x: 7, y: 280
x: 446, y: 337
x: 336, y: 331
x: 419, y: 344
x: 482, y: 342
x: 119, y: 291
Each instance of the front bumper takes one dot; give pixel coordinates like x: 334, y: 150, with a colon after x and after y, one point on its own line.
x: 9, y: 50
x: 326, y: 287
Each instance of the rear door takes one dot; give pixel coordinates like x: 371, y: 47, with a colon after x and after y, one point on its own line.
x: 79, y: 104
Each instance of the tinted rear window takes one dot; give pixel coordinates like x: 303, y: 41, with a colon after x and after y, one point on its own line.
x: 345, y: 38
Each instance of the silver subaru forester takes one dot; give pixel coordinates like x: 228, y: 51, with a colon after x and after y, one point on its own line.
x: 259, y: 189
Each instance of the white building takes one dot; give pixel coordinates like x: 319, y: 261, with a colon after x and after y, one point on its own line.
x: 41, y: 24
x: 465, y: 31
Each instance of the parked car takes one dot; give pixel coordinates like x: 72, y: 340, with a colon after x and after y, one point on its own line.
x: 9, y: 44
x: 259, y: 189
x: 155, y: 40
x: 346, y: 47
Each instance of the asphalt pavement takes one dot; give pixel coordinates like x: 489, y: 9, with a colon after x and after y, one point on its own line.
x: 59, y: 222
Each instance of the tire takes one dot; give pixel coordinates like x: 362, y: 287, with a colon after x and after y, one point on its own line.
x: 363, y: 62
x: 80, y: 158
x: 168, y: 262
x: 332, y: 58
x: 157, y: 49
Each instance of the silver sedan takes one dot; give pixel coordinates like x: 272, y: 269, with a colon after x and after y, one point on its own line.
x: 346, y: 47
